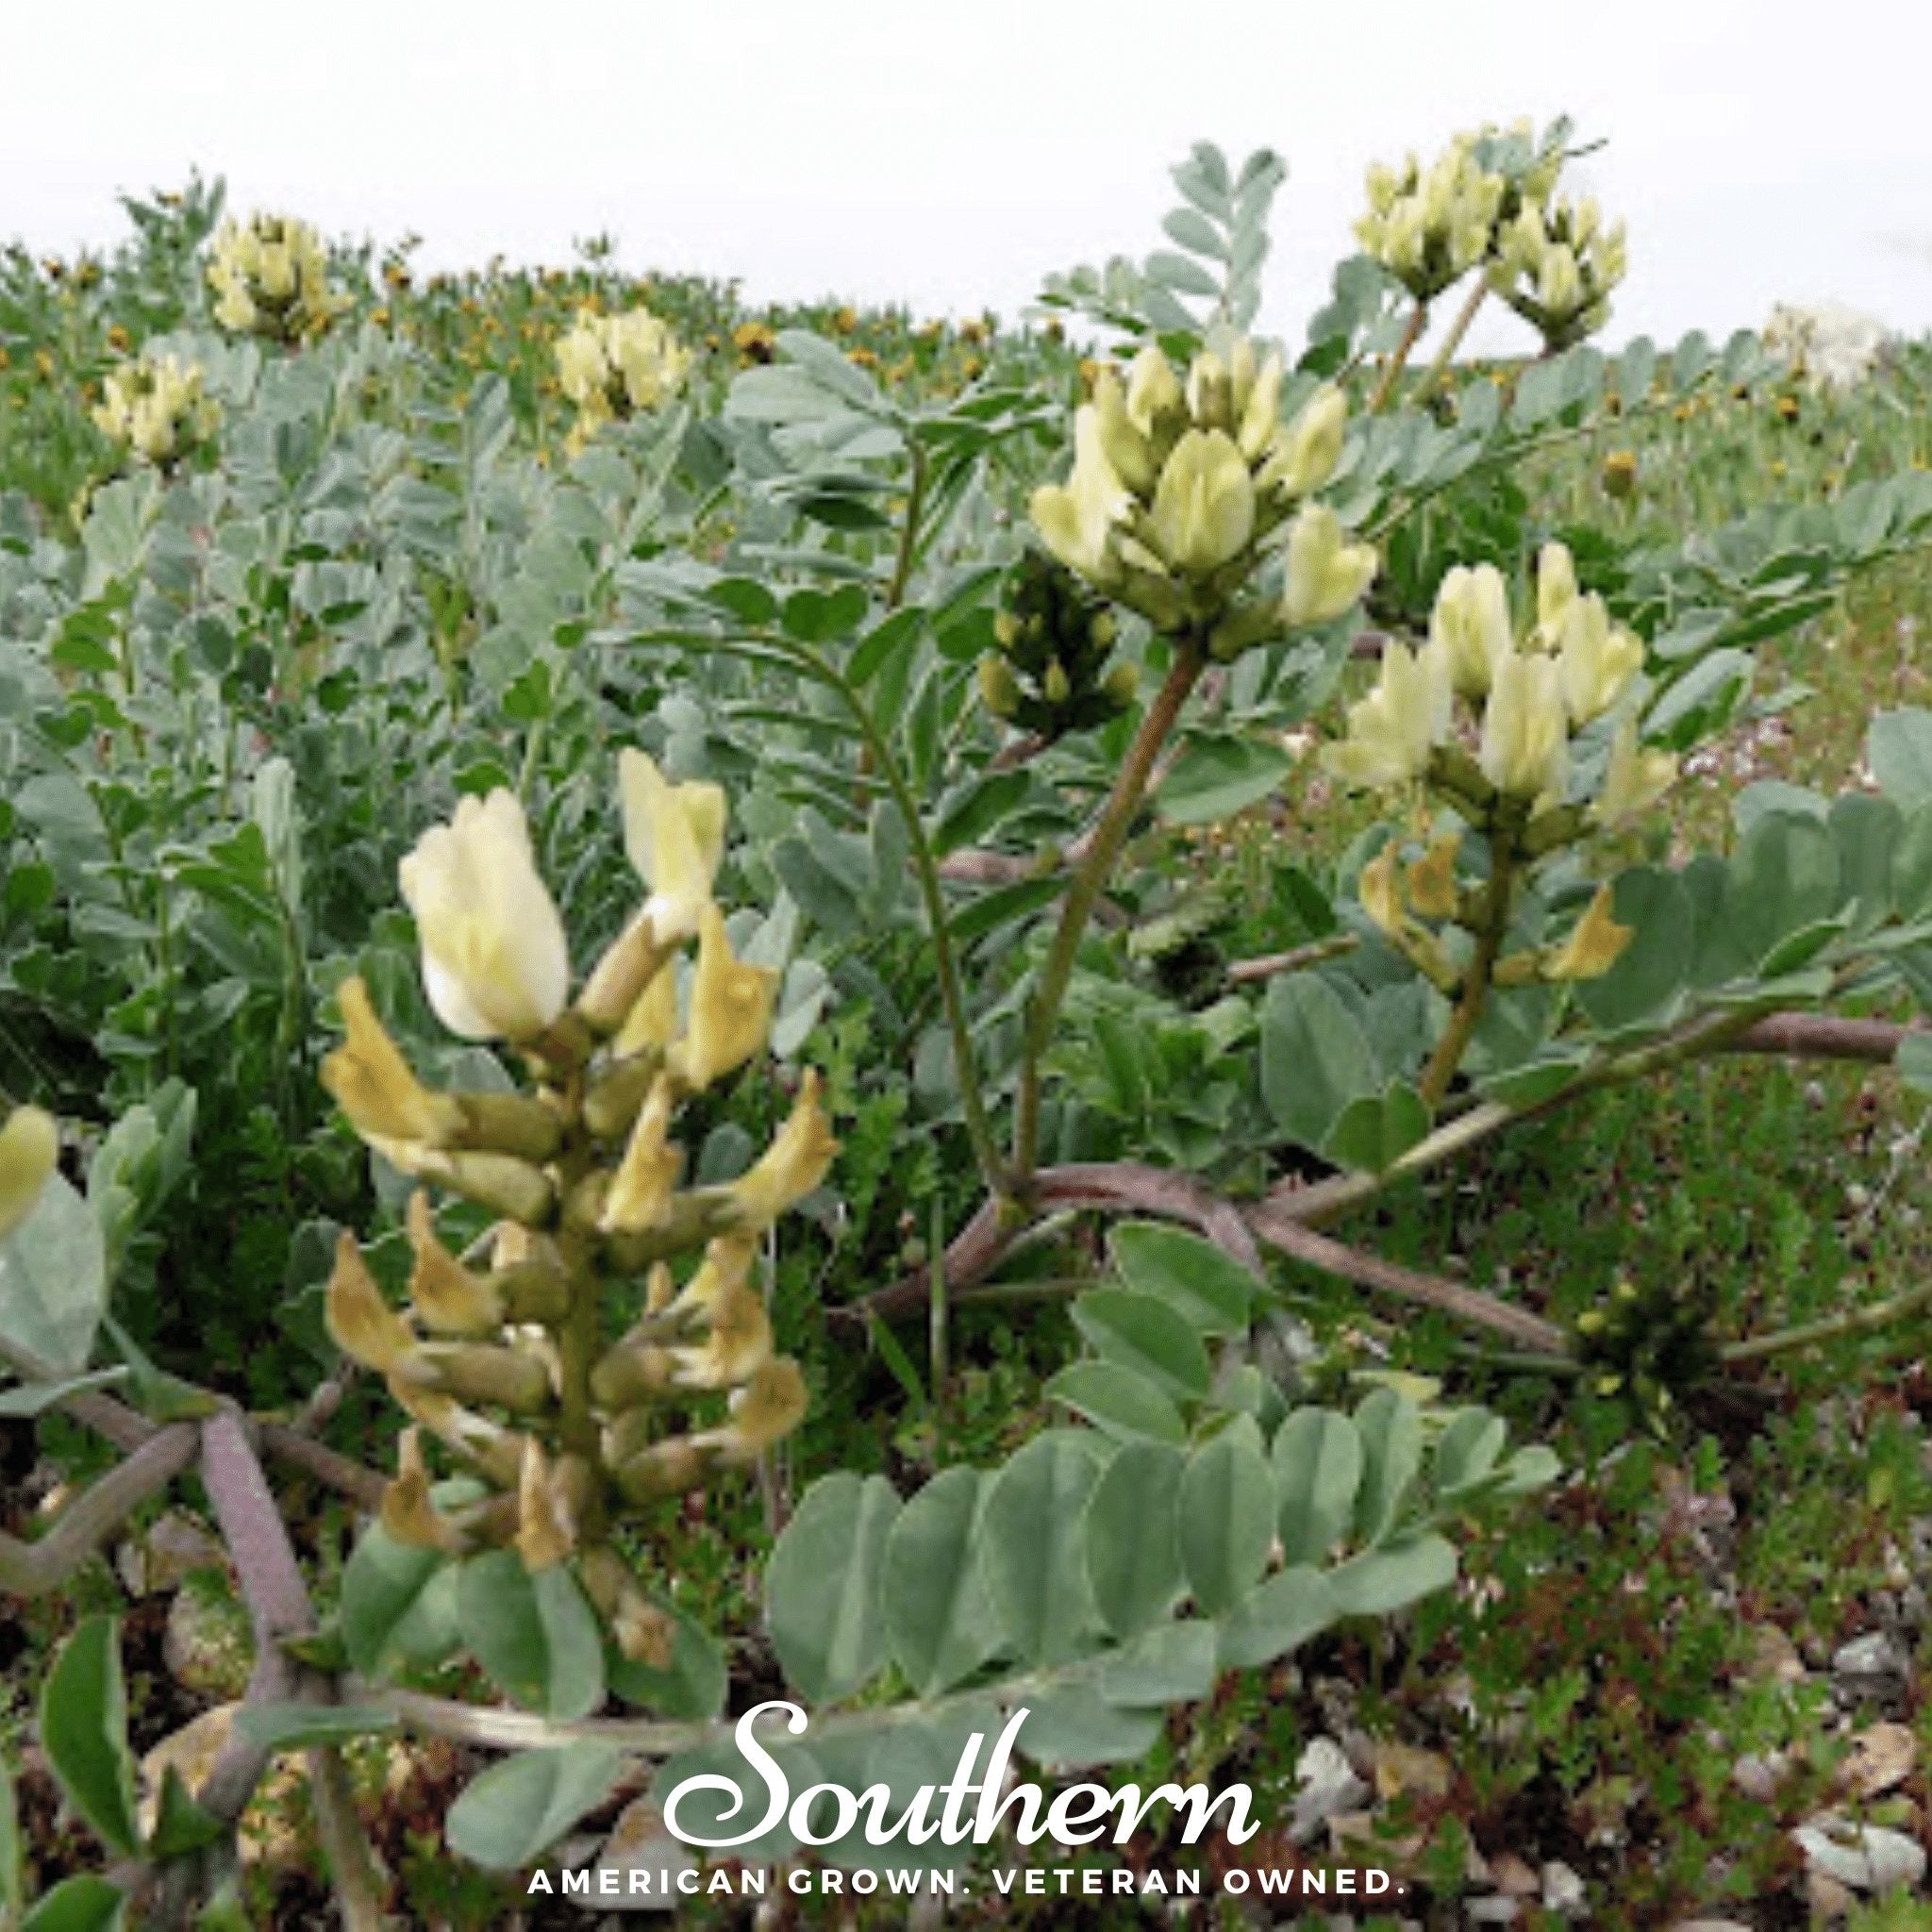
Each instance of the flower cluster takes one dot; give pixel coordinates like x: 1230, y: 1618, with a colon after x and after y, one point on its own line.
x: 1428, y: 227
x: 1178, y: 488
x: 616, y: 366
x: 506, y: 1353
x: 29, y: 1145
x: 156, y: 408
x: 1489, y: 201
x: 269, y: 276
x: 1489, y: 722
x: 1555, y: 265
x: 1050, y: 674
x: 1831, y: 345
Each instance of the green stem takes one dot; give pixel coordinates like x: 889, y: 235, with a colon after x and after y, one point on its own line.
x: 1090, y: 879
x: 1439, y: 365
x: 578, y: 1343
x: 1391, y: 370
x: 908, y: 529
x: 1326, y: 1201
x: 1489, y: 936
x: 1827, y: 1328
x: 925, y: 866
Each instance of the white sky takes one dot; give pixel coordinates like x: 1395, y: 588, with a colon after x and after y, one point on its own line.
x: 950, y: 154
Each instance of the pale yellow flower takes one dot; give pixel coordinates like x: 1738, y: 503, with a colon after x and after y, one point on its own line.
x: 1308, y: 451
x: 1594, y: 946
x: 1154, y: 390
x: 447, y: 1298
x: 29, y: 1146
x: 1634, y: 779
x: 770, y: 1405
x: 675, y: 835
x: 795, y: 1162
x: 1525, y: 739
x: 1392, y: 730
x: 1469, y: 627
x: 1121, y: 440
x: 1326, y: 574
x: 1595, y: 659
x: 1204, y: 507
x: 652, y: 1023
x: 640, y: 1194
x: 372, y: 1083
x: 495, y: 963
x: 360, y: 1322
x: 1076, y: 520
x: 730, y: 1008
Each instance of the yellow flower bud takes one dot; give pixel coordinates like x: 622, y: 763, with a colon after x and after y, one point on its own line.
x: 1560, y: 287
x: 1392, y: 730
x: 1306, y: 456
x: 1326, y: 574
x: 1556, y: 591
x: 1260, y: 409
x: 448, y: 1299
x: 518, y: 1379
x: 644, y: 1633
x: 652, y: 1023
x: 730, y: 1009
x: 372, y: 1082
x: 1525, y: 739
x: 360, y: 1322
x: 1469, y: 627
x: 640, y: 1193
x: 1210, y: 392
x: 494, y: 960
x: 726, y: 1269
x: 1121, y: 440
x: 504, y: 1182
x: 630, y: 965
x: 29, y: 1146
x: 999, y: 689
x: 1076, y: 520
x: 1154, y: 392
x: 1204, y: 509
x: 791, y: 1166
x: 1594, y: 946
x: 675, y: 835
x: 1596, y: 660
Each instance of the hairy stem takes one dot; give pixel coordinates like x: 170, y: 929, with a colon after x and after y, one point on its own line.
x: 908, y: 528
x: 1439, y: 366
x: 1827, y: 1328
x: 1492, y: 929
x: 1089, y: 878
x: 278, y: 1607
x: 1391, y: 370
x: 32, y: 1569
